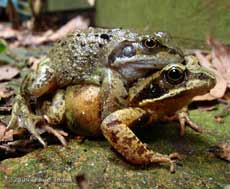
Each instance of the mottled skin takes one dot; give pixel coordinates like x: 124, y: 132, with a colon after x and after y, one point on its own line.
x: 150, y: 99
x: 95, y: 56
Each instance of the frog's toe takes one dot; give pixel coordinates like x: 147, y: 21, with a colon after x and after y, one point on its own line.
x: 57, y: 133
x: 184, y: 119
x: 174, y: 157
x: 31, y: 127
x: 29, y: 122
x: 172, y: 166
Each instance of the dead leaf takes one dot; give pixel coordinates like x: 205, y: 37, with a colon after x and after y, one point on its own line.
x: 76, y: 23
x: 221, y: 58
x: 219, y: 64
x: 5, y: 92
x: 219, y: 120
x: 8, y: 72
x: 221, y: 150
x: 27, y: 38
x: 6, y: 32
x: 5, y: 135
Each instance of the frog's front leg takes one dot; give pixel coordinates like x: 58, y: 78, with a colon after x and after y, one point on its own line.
x: 39, y: 82
x: 184, y: 119
x: 35, y: 85
x: 116, y: 128
x: 52, y: 114
x: 113, y: 93
x: 21, y: 116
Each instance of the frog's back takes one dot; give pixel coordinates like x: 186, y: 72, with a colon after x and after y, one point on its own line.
x: 77, y: 56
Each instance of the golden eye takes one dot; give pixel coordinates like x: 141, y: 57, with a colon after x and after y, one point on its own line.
x: 175, y: 75
x: 150, y: 43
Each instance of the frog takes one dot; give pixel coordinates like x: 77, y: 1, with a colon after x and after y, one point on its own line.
x: 93, y: 56
x: 150, y: 99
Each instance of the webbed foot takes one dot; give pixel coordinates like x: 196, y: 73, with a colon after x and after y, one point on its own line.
x: 22, y: 117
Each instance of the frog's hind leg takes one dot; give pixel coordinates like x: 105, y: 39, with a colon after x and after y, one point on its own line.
x: 116, y: 128
x: 22, y: 117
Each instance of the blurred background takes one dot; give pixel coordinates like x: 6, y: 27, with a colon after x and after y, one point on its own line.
x: 189, y: 22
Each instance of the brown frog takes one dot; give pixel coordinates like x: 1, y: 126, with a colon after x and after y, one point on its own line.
x: 94, y: 56
x: 150, y: 99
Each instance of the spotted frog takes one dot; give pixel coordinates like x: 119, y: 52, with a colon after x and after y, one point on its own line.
x: 150, y: 99
x: 94, y: 56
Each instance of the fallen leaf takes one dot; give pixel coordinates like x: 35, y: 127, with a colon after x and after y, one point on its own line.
x: 27, y: 38
x: 6, y: 32
x: 221, y: 58
x: 8, y: 72
x: 5, y: 92
x: 221, y: 150
x: 76, y: 23
x: 219, y: 64
x: 219, y: 120
x: 5, y: 135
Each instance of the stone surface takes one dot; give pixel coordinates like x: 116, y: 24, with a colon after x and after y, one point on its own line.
x: 102, y: 167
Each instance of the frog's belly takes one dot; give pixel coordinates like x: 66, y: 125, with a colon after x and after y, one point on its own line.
x: 83, y: 110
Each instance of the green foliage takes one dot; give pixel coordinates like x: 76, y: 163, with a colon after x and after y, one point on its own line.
x: 3, y: 46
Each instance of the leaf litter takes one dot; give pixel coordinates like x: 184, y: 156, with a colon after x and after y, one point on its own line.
x: 218, y: 61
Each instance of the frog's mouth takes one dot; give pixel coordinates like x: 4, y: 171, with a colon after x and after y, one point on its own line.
x: 134, y: 69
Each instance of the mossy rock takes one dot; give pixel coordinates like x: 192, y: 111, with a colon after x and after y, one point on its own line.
x: 102, y: 167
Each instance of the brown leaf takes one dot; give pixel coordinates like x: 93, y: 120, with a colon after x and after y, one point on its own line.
x: 5, y: 135
x: 221, y: 84
x: 27, y: 38
x: 222, y: 150
x: 76, y: 23
x: 7, y: 32
x: 219, y: 64
x: 4, y: 91
x: 219, y: 120
x: 221, y: 58
x: 8, y: 72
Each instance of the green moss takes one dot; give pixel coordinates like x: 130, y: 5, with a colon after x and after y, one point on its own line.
x: 104, y: 168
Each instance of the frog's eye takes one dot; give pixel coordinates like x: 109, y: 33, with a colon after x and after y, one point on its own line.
x: 175, y: 75
x: 150, y: 43
x: 128, y: 51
